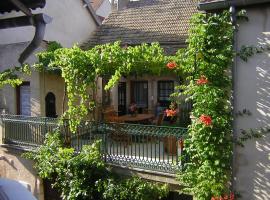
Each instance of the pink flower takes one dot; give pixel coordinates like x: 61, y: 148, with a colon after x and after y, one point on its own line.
x: 202, y: 80
x: 171, y: 65
x: 206, y: 119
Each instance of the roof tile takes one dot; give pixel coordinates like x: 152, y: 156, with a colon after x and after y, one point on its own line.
x: 146, y: 21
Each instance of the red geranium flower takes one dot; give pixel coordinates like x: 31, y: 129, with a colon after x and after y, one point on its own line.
x: 225, y: 197
x: 232, y: 196
x: 202, y: 80
x: 170, y: 113
x: 171, y: 65
x: 206, y: 119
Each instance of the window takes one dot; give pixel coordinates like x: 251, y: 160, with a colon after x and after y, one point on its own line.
x: 139, y: 93
x: 165, y: 89
x: 23, y: 99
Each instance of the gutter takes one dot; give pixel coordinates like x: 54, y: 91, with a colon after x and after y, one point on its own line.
x: 92, y: 12
x: 223, y: 4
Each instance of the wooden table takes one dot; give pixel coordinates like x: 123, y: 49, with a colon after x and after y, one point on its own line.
x: 137, y: 118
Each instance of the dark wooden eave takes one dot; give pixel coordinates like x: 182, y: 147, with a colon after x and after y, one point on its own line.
x: 8, y: 6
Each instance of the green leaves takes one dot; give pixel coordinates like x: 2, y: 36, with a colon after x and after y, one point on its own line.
x: 85, y: 176
x: 209, y: 54
x: 133, y: 189
x: 10, y: 76
x: 80, y: 70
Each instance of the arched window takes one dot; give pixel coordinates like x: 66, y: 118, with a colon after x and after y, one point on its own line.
x: 50, y: 105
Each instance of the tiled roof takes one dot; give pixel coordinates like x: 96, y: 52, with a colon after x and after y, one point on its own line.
x: 146, y: 21
x: 203, y: 1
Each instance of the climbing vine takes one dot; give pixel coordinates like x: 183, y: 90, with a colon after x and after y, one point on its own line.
x: 208, y: 59
x: 80, y: 70
x: 10, y: 76
x: 205, y: 64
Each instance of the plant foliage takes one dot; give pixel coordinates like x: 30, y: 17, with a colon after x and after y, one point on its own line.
x: 206, y: 64
x: 208, y: 59
x: 80, y: 70
x: 85, y: 176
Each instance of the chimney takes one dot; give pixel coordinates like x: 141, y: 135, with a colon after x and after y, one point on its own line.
x: 112, y: 5
x: 122, y: 4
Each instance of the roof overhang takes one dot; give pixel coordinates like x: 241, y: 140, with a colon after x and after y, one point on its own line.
x: 224, y: 4
x: 8, y: 5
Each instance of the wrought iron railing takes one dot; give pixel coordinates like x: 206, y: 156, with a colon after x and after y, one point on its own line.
x: 149, y: 147
x: 25, y: 130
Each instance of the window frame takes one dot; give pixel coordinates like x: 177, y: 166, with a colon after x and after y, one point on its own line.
x: 164, y: 103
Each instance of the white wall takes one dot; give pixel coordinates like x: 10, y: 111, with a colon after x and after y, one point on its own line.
x: 8, y: 58
x: 105, y: 9
x: 253, y: 93
x: 72, y: 23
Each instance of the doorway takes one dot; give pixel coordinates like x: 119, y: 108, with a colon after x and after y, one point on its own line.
x: 50, y: 107
x: 24, y: 99
x: 122, y: 98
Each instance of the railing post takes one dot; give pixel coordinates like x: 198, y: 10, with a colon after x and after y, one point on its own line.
x: 46, y: 128
x: 1, y: 129
x: 104, y: 139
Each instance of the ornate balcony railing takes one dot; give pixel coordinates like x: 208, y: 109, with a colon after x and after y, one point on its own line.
x: 156, y: 148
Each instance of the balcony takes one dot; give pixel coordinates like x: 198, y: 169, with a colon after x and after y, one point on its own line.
x: 137, y: 146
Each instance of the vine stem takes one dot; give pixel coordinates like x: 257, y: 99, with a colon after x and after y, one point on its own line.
x: 64, y: 98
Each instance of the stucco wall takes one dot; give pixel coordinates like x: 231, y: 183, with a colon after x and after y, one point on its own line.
x: 8, y: 58
x: 72, y: 23
x: 13, y: 166
x: 40, y: 84
x: 253, y: 93
x: 55, y: 84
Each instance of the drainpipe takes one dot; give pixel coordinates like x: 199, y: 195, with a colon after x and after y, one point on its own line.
x: 234, y: 96
x: 39, y: 21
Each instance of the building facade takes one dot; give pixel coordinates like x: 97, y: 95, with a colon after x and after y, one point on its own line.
x: 72, y: 22
x: 251, y: 88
